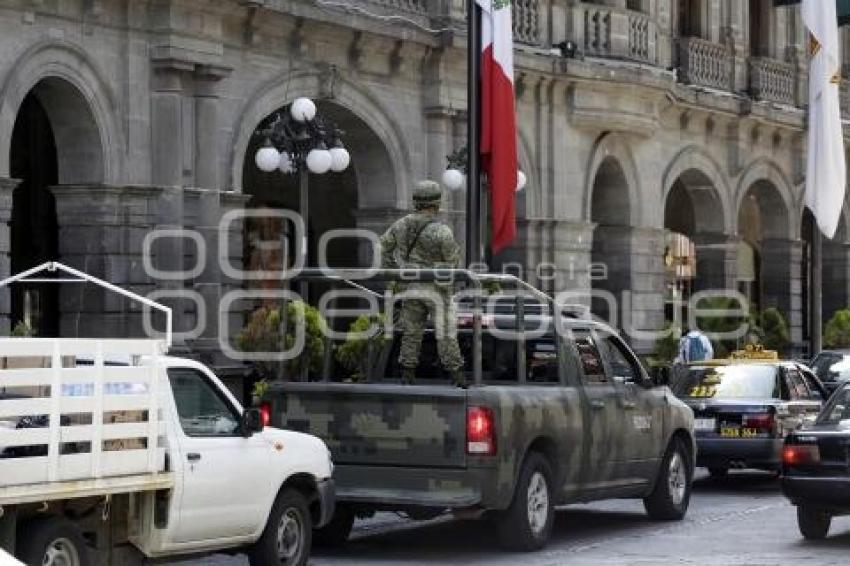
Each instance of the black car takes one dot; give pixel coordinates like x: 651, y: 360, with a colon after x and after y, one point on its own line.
x: 832, y: 368
x: 744, y: 409
x: 816, y: 467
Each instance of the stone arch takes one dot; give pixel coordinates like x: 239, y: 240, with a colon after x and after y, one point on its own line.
x: 696, y: 169
x: 284, y: 88
x: 608, y: 149
x: 778, y: 193
x: 81, y: 107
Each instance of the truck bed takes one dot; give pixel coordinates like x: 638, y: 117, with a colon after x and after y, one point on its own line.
x: 36, y: 493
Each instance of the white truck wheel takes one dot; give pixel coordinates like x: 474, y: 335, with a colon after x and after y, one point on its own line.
x: 287, y: 538
x: 51, y: 541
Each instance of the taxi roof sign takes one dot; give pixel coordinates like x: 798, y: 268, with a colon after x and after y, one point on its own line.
x: 755, y: 352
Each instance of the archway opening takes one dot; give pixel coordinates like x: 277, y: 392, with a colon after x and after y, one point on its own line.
x: 55, y: 141
x: 776, y: 276
x: 34, y: 228
x: 335, y: 200
x: 696, y: 255
x: 611, y: 255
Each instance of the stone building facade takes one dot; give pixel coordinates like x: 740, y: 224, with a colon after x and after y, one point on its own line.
x: 119, y: 116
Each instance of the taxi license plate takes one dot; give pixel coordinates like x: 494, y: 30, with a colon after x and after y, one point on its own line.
x: 704, y: 424
x: 738, y: 432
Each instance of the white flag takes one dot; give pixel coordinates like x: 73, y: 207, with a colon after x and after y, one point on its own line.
x: 826, y: 171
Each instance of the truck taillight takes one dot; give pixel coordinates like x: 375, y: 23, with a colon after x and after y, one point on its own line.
x: 480, y: 432
x: 764, y: 422
x: 266, y: 413
x: 797, y: 454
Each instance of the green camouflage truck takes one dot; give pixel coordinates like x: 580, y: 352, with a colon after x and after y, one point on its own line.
x: 560, y: 413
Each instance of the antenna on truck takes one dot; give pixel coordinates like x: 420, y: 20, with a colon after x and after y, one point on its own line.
x: 80, y: 277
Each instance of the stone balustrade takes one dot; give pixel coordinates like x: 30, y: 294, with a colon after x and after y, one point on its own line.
x: 415, y: 6
x: 772, y: 80
x: 704, y: 63
x: 526, y: 20
x: 615, y: 32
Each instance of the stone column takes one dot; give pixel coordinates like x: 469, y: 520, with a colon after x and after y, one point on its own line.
x: 781, y: 282
x: 7, y: 188
x: 717, y: 262
x: 101, y: 232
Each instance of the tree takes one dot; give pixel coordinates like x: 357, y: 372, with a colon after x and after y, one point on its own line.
x: 262, y: 334
x: 837, y: 332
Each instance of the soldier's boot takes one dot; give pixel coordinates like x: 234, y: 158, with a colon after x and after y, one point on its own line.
x: 408, y: 375
x: 459, y: 378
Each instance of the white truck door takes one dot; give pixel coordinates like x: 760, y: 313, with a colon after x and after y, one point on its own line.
x: 225, y: 484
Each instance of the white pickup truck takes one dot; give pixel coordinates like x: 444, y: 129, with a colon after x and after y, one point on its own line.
x: 111, y: 452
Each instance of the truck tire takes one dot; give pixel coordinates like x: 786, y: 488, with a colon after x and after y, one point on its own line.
x: 527, y: 524
x: 671, y: 496
x: 336, y: 532
x: 51, y: 541
x: 288, y: 534
x: 813, y: 522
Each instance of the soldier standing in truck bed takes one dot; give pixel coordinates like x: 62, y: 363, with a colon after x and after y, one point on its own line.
x: 421, y: 241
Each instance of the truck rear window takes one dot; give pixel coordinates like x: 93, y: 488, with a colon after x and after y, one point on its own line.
x: 498, y: 359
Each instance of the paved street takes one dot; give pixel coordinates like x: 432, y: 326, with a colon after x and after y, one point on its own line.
x: 740, y: 521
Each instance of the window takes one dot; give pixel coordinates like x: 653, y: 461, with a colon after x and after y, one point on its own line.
x: 814, y: 389
x: 591, y: 361
x: 728, y: 382
x: 796, y: 386
x: 622, y: 363
x: 838, y: 409
x: 690, y: 15
x: 542, y: 360
x: 201, y: 408
x: 760, y: 27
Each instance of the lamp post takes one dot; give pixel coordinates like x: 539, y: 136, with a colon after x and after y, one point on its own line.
x: 299, y: 142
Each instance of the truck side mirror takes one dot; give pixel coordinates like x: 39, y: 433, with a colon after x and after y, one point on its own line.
x: 252, y: 422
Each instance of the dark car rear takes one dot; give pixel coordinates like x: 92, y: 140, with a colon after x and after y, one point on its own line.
x: 742, y: 411
x: 816, y: 467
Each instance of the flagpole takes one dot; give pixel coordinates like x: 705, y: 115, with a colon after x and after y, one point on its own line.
x: 816, y: 290
x: 474, y: 252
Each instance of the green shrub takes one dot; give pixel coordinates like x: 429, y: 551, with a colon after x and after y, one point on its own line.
x: 774, y: 330
x: 23, y: 330
x: 837, y: 331
x: 666, y: 348
x: 262, y: 334
x: 353, y: 354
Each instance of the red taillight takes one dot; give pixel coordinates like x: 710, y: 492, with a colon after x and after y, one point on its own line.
x: 480, y: 432
x: 266, y: 412
x: 796, y: 454
x: 764, y: 422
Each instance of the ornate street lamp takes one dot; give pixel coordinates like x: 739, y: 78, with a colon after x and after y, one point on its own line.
x: 454, y: 177
x: 299, y: 142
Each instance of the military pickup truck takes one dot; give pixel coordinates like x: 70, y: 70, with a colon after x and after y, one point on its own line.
x: 563, y: 413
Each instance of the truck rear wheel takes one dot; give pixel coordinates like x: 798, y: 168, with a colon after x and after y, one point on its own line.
x: 288, y: 534
x: 527, y: 524
x: 814, y: 523
x: 337, y: 531
x: 51, y: 541
x: 672, y: 493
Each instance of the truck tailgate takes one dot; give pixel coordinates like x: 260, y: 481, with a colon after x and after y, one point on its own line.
x: 384, y: 425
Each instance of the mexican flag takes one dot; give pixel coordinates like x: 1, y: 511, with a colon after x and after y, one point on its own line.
x: 498, y: 117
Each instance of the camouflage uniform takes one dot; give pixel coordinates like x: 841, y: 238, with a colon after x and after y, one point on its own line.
x: 421, y: 241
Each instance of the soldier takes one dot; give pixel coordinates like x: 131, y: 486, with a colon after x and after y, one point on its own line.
x: 421, y: 241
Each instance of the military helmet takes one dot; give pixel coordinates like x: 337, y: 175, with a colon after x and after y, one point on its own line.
x: 427, y: 193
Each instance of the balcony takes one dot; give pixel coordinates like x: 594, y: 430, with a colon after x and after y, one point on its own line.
x: 772, y: 80
x: 704, y: 63
x: 526, y: 20
x: 411, y: 6
x: 616, y: 33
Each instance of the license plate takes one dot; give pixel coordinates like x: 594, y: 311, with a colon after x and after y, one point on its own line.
x: 704, y: 424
